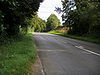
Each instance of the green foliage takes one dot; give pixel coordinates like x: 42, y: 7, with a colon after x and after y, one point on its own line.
x: 14, y: 12
x: 82, y: 17
x: 39, y: 24
x: 35, y: 24
x: 52, y: 22
x: 16, y: 57
x: 88, y: 39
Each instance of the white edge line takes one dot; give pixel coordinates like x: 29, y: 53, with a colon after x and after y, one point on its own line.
x: 80, y: 47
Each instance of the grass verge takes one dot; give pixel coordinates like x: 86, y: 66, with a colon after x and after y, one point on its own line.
x: 16, y: 57
x: 88, y: 39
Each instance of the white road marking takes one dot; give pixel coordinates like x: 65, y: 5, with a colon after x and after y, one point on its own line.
x: 81, y: 47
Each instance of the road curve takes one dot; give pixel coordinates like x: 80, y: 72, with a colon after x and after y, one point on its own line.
x: 65, y: 56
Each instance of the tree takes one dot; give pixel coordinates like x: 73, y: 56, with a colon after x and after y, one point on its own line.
x: 35, y: 24
x: 38, y: 24
x: 88, y: 13
x: 14, y: 12
x: 81, y: 16
x: 52, y: 22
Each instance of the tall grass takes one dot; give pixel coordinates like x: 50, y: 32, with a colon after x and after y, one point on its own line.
x: 84, y: 38
x: 16, y: 57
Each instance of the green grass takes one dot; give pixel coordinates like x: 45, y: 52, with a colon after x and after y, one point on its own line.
x: 88, y: 39
x: 16, y: 58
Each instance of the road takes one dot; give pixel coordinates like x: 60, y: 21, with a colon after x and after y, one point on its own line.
x: 65, y: 56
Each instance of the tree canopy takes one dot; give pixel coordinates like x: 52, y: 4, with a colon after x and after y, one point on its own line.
x: 39, y: 25
x: 52, y: 22
x: 81, y: 16
x: 14, y: 12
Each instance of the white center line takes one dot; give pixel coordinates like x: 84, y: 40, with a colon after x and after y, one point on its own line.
x: 81, y: 47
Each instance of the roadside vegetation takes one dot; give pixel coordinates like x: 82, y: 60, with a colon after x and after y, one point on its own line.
x: 82, y: 17
x: 17, y: 56
x: 17, y: 49
x: 84, y: 38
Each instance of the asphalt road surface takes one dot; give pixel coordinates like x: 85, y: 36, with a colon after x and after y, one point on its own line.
x: 65, y: 56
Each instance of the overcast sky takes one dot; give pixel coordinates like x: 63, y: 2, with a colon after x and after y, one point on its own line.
x: 48, y: 7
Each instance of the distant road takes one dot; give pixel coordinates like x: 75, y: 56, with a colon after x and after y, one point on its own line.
x: 65, y: 56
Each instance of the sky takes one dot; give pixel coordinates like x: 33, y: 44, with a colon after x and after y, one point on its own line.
x: 47, y: 8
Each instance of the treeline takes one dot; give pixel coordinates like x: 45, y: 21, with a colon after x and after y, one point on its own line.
x: 36, y: 24
x: 82, y: 17
x: 14, y: 15
x: 20, y: 16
